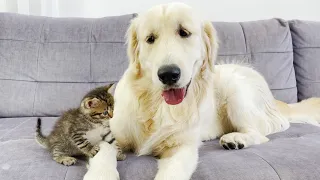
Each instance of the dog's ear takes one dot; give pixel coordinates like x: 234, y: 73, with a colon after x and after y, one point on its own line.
x: 211, y: 43
x: 132, y: 43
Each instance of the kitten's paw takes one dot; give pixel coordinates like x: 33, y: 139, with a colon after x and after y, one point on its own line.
x: 94, y: 151
x: 121, y: 156
x: 65, y: 160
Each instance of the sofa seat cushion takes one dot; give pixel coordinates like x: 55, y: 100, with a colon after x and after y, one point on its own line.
x: 293, y: 154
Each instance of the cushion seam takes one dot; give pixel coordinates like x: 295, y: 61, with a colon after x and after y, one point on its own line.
x: 36, y: 88
x: 107, y: 42
x: 65, y: 175
x: 90, y: 39
x: 304, y: 81
x: 11, y: 140
x: 57, y: 81
x: 27, y: 116
x: 271, y: 52
x: 245, y: 38
x: 311, y: 47
x: 74, y: 82
x: 296, y: 137
x: 14, y: 128
x: 276, y: 89
x: 267, y: 163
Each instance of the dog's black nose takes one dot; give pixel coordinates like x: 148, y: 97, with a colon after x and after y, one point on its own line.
x: 169, y: 74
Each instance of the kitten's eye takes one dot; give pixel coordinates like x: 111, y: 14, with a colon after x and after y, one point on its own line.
x: 105, y: 113
x: 151, y: 39
x: 184, y: 33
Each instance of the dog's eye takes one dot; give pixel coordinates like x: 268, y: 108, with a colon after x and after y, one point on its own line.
x: 151, y: 39
x: 184, y: 33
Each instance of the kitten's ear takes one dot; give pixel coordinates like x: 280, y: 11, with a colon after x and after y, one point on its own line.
x: 91, y: 103
x: 111, y: 88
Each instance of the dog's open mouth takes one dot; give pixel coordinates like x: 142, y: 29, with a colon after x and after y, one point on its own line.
x: 175, y: 96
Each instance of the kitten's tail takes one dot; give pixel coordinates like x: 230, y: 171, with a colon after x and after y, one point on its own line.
x: 40, y: 138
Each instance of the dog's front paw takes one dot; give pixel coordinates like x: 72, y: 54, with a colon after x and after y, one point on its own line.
x: 101, y: 175
x: 101, y: 172
x: 238, y: 140
x: 233, y: 141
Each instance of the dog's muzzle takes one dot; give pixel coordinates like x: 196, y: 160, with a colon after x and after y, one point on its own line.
x: 169, y: 75
x: 174, y: 96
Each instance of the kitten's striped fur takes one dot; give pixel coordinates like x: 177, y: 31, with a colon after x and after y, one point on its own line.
x: 70, y: 134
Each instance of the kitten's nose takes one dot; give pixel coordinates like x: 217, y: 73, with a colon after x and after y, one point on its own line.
x: 110, y: 113
x: 169, y: 74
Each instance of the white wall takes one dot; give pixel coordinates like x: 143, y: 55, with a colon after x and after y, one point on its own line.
x: 215, y: 10
x: 220, y: 10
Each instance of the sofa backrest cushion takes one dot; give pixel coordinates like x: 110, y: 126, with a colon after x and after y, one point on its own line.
x: 306, y: 46
x: 266, y: 45
x: 48, y: 64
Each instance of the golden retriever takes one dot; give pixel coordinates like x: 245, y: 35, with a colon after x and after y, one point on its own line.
x: 172, y: 96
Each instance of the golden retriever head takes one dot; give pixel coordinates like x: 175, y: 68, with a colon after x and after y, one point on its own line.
x: 170, y: 45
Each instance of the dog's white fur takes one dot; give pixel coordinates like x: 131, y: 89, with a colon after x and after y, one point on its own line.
x: 103, y: 166
x: 228, y: 101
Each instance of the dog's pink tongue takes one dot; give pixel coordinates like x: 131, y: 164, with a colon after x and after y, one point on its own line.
x: 174, y: 96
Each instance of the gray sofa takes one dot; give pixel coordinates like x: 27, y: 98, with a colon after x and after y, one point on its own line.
x: 47, y: 64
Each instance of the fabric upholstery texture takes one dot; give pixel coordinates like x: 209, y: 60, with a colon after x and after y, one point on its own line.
x: 306, y: 44
x: 293, y: 154
x: 266, y: 45
x: 48, y: 64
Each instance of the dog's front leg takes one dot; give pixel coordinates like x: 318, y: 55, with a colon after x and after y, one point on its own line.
x: 103, y: 166
x: 178, y: 163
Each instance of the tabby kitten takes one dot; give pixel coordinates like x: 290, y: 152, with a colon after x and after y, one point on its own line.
x: 70, y: 135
